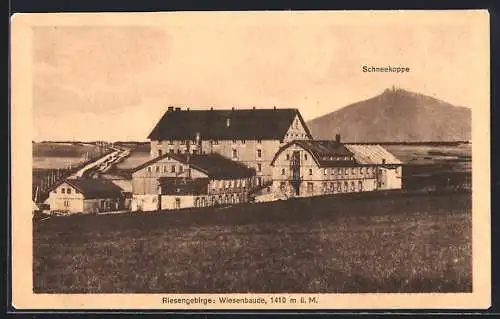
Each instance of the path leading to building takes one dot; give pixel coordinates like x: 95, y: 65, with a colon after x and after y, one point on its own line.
x: 102, y: 164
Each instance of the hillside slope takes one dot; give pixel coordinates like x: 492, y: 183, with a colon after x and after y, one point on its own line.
x: 396, y: 115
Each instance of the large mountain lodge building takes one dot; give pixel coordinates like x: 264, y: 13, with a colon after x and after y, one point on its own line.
x: 312, y: 168
x: 174, y: 181
x: 249, y: 136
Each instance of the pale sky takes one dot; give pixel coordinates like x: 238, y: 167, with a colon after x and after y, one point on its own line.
x: 114, y: 82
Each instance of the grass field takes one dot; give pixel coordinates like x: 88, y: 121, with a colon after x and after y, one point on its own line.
x: 59, y: 155
x: 364, y: 242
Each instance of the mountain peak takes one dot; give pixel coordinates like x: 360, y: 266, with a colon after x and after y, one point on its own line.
x: 395, y: 115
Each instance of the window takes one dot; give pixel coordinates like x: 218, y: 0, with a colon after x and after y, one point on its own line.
x: 282, y: 185
x: 149, y: 169
x: 216, y: 142
x: 326, y: 171
x: 170, y: 142
x: 183, y: 142
x: 305, y: 157
x: 259, y: 153
x: 172, y: 169
x: 310, y: 187
x: 243, y: 141
x: 63, y: 190
x: 178, y: 151
x: 234, y: 141
x: 325, y: 189
x: 282, y: 171
x: 339, y: 187
x: 360, y: 186
x: 157, y: 169
x: 164, y: 168
x: 69, y: 190
x: 171, y: 151
x: 259, y: 181
x: 346, y: 171
x: 353, y: 171
x: 235, y: 154
x: 332, y: 187
x: 259, y: 167
x: 340, y: 171
x: 353, y: 187
x: 297, y: 124
x: 177, y: 203
x: 346, y: 187
x: 361, y: 170
x: 310, y: 171
x: 243, y: 183
x: 287, y: 157
x: 181, y: 169
x: 160, y: 153
x: 259, y: 141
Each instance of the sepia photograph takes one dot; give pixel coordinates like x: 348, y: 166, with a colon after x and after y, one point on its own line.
x: 216, y: 160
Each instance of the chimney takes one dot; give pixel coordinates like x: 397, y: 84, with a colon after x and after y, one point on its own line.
x: 211, y: 109
x: 253, y: 108
x: 228, y: 122
x: 274, y: 107
x: 177, y: 108
x: 232, y: 108
x: 170, y: 108
x: 198, y: 142
x: 187, y: 109
x: 337, y: 138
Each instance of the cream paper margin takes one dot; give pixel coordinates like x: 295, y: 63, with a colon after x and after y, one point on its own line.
x: 21, y: 165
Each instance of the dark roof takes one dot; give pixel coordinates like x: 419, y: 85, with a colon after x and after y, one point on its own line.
x: 214, y: 165
x: 321, y: 151
x: 249, y: 124
x: 179, y: 186
x: 95, y: 188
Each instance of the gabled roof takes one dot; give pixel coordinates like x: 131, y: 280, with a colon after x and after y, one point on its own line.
x: 248, y: 124
x: 372, y: 154
x: 324, y: 153
x: 214, y: 165
x: 94, y: 188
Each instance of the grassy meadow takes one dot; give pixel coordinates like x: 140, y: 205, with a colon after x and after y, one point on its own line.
x: 362, y: 242
x: 52, y: 155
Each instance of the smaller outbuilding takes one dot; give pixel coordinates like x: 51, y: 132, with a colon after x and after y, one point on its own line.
x: 85, y: 195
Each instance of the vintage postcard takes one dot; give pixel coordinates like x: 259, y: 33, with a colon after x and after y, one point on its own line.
x: 251, y: 160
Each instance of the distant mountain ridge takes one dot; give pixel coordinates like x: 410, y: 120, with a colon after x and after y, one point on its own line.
x: 396, y: 115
